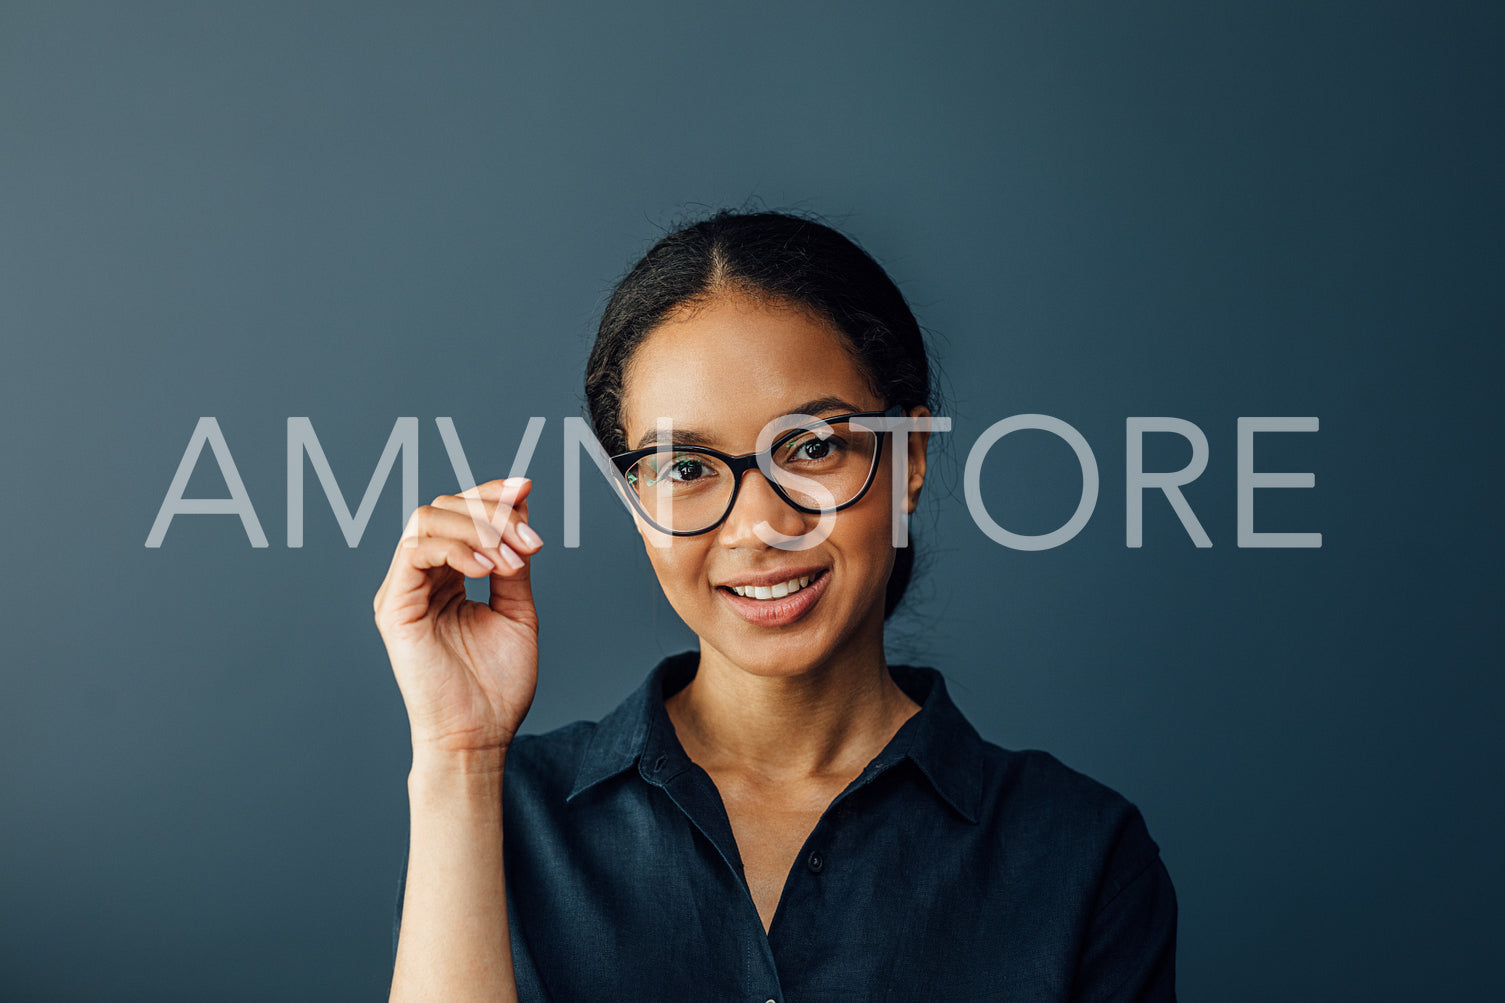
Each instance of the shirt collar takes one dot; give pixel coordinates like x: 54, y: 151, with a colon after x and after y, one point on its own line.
x: 937, y: 738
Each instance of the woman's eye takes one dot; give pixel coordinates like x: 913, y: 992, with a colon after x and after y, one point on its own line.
x: 684, y: 469
x: 812, y: 448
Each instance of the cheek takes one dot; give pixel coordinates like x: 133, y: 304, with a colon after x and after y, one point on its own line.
x: 872, y: 529
x: 872, y: 545
x: 869, y: 533
x: 678, y: 567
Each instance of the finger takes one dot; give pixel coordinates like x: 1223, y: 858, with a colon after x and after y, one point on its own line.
x: 509, y: 490
x: 506, y: 501
x: 499, y: 494
x: 413, y: 565
x: 500, y: 487
x: 502, y: 505
x: 426, y: 552
x: 429, y: 521
x: 511, y: 587
x: 478, y: 533
x: 512, y: 592
x: 511, y: 521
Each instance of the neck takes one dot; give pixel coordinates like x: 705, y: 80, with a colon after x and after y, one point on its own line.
x: 828, y: 720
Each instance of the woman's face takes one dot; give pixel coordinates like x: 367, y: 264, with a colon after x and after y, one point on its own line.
x: 724, y: 371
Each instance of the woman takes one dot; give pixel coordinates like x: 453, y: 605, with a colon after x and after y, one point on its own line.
x: 781, y: 815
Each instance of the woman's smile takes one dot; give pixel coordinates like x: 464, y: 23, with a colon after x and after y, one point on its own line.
x: 779, y: 604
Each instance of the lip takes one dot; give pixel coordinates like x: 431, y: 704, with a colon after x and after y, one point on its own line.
x: 776, y: 612
x: 773, y: 577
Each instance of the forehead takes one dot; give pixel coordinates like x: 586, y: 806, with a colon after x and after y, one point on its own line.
x: 732, y: 365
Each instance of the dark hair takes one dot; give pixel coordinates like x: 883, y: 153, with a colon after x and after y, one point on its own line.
x: 774, y: 256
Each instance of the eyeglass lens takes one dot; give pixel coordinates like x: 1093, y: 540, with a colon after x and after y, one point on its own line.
x: 822, y: 466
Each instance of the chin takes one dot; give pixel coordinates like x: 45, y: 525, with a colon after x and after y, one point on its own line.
x: 771, y: 657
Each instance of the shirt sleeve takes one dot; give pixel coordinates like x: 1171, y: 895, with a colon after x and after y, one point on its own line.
x: 1130, y: 952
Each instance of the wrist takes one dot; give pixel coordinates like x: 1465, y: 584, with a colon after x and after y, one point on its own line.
x: 433, y: 765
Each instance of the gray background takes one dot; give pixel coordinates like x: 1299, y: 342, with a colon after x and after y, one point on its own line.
x: 360, y: 211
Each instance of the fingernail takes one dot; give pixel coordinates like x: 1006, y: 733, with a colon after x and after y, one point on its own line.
x: 480, y: 559
x: 515, y: 482
x: 525, y: 532
x: 513, y: 561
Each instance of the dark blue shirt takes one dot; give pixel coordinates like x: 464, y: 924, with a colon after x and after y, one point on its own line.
x: 950, y: 869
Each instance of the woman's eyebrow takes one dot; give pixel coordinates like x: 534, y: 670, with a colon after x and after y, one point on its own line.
x: 682, y: 437
x: 821, y: 404
x: 690, y: 437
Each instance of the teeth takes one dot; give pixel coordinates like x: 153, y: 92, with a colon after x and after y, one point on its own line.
x: 778, y: 591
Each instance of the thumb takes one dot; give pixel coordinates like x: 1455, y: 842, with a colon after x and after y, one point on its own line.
x: 512, y: 592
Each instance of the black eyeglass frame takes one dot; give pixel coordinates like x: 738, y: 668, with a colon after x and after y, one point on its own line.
x: 739, y: 465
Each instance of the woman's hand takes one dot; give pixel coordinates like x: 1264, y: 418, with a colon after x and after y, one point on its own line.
x: 467, y: 670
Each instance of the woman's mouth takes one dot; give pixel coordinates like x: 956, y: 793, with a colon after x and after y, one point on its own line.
x: 775, y: 605
x: 778, y: 591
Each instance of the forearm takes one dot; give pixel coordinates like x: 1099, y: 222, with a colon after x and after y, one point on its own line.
x: 454, y: 943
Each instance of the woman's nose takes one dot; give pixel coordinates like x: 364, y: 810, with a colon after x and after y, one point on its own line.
x: 757, y: 502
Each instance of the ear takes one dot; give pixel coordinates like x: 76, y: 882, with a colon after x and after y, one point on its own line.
x: 918, y: 443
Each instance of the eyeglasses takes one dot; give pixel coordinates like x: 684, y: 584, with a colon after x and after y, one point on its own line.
x: 822, y: 466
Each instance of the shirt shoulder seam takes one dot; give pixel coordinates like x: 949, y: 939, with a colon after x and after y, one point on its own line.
x: 1140, y: 872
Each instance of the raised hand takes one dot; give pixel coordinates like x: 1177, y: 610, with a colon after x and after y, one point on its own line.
x: 467, y: 670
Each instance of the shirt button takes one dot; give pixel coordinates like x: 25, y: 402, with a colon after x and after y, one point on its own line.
x: 658, y: 764
x: 815, y: 861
